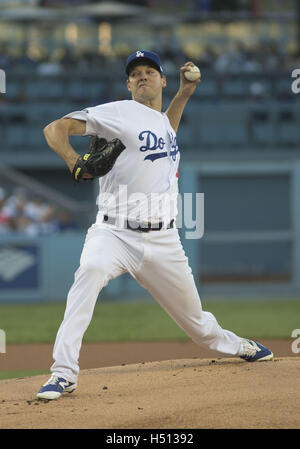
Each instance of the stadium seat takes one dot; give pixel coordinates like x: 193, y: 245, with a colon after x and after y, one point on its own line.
x: 49, y: 89
x: 207, y: 88
x: 233, y: 123
x: 283, y: 87
x: 262, y: 125
x: 35, y: 137
x: 62, y: 109
x: 39, y: 112
x: 99, y: 89
x: 185, y: 136
x: 15, y: 135
x: 13, y: 90
x: 234, y: 87
x: 222, y: 124
x: 209, y: 130
x: 263, y: 133
x: 121, y: 92
x: 2, y: 131
x: 288, y: 127
x: 258, y: 87
x: 172, y: 85
x: 77, y: 90
x: 44, y: 113
x: 15, y: 112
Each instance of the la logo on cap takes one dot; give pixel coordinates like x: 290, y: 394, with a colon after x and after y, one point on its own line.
x: 139, y: 53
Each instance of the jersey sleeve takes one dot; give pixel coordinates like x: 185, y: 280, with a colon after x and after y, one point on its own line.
x: 103, y: 120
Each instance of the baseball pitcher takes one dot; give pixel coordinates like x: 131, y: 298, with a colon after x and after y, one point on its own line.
x: 135, y: 157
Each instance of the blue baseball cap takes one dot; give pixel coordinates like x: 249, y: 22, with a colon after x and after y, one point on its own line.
x: 148, y: 56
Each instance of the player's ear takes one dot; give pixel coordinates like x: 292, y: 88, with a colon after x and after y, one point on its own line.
x: 164, y: 81
x: 128, y: 86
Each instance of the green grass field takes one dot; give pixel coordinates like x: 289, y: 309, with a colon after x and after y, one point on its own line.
x: 146, y: 321
x: 20, y: 374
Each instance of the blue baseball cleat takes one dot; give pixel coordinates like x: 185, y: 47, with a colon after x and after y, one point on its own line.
x: 54, y: 388
x: 255, y: 352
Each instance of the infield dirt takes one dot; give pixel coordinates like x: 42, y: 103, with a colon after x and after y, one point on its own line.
x: 200, y: 393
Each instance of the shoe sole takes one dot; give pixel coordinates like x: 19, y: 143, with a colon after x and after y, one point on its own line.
x: 267, y: 357
x: 262, y: 359
x: 50, y: 395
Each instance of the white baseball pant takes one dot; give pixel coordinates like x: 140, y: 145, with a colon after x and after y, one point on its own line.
x: 157, y: 261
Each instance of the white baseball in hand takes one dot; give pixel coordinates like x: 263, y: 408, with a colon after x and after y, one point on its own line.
x: 193, y: 73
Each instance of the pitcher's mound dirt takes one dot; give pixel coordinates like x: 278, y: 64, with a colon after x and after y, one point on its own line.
x: 192, y: 393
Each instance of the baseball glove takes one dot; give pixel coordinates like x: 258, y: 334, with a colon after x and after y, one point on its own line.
x: 99, y: 159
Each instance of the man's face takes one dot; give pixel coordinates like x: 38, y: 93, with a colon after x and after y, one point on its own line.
x: 145, y: 83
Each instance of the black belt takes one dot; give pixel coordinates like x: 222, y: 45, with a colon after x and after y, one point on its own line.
x: 144, y: 227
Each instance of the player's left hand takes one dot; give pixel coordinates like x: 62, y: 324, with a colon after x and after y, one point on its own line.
x: 186, y: 87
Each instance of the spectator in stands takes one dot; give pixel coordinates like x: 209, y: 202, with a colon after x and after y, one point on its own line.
x: 35, y: 209
x: 2, y: 194
x: 266, y: 55
x: 5, y: 60
x: 65, y: 222
x: 257, y: 91
x: 46, y: 224
x: 33, y: 216
x: 251, y: 64
x: 292, y: 61
x: 68, y: 60
x: 230, y: 61
x: 207, y: 57
x: 23, y: 61
x: 49, y: 67
x: 203, y: 6
x: 271, y: 56
x: 4, y: 218
x: 13, y: 209
x: 49, y: 220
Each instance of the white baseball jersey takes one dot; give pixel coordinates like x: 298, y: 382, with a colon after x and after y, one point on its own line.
x: 143, y: 183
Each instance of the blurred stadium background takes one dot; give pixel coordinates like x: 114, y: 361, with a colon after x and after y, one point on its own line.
x: 239, y: 137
